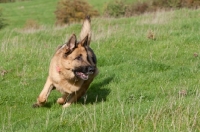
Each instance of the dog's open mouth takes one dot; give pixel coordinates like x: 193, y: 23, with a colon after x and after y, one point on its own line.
x: 82, y: 75
x: 84, y: 72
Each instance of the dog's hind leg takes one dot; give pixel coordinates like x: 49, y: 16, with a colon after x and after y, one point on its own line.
x: 44, y: 93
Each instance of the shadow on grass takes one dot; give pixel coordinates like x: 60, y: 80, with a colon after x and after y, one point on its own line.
x: 97, y: 92
x: 48, y: 104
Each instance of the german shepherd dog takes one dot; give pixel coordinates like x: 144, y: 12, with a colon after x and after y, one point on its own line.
x: 72, y: 69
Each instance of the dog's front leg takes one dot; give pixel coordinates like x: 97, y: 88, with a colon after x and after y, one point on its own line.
x: 63, y: 99
x: 77, y: 95
x: 74, y: 97
x: 41, y: 100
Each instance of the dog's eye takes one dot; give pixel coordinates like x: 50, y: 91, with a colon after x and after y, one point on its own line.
x: 79, y: 57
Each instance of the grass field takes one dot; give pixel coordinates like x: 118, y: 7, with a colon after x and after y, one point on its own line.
x: 145, y: 84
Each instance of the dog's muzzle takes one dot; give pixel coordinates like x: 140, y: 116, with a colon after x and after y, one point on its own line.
x: 84, y: 72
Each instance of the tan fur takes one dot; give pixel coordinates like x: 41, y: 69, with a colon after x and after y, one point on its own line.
x: 64, y: 73
x: 86, y: 30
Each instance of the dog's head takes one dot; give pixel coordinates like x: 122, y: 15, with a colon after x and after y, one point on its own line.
x: 78, y: 58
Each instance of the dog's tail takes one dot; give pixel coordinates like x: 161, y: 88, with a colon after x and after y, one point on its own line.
x: 86, y: 29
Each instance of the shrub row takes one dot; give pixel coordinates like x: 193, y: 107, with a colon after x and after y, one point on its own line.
x: 120, y: 8
x: 75, y: 10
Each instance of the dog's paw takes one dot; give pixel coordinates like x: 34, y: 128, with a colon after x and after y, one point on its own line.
x: 60, y: 101
x: 66, y: 105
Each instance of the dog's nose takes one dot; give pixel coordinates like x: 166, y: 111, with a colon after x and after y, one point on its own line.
x: 90, y: 68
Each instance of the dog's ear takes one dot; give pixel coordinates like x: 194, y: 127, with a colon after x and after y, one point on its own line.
x: 86, y: 30
x: 71, y: 44
x: 85, y: 41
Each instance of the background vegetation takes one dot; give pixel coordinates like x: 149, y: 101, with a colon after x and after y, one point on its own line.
x: 119, y: 8
x: 148, y: 80
x: 69, y: 11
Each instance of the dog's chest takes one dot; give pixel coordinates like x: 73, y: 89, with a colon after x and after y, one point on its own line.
x: 65, y: 86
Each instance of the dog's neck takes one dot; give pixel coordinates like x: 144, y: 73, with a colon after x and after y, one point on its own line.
x: 58, y: 69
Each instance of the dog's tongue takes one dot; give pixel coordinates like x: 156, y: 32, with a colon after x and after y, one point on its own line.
x: 82, y: 75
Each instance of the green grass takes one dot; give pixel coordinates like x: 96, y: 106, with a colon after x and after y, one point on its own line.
x: 137, y: 88
x: 18, y: 13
